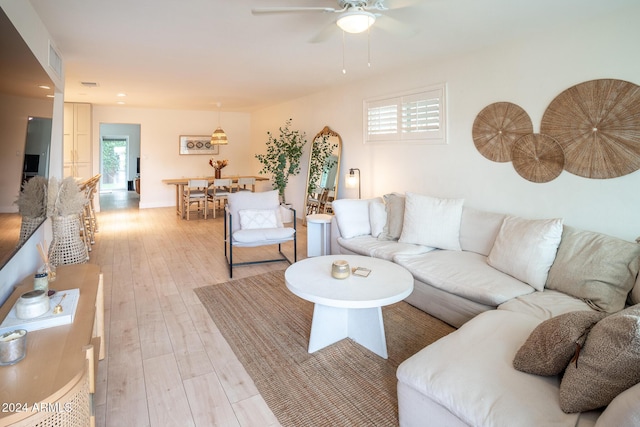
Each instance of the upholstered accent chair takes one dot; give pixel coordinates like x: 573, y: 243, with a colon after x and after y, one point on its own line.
x: 254, y: 220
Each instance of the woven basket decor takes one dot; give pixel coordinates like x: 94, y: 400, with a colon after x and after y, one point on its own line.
x: 597, y: 123
x: 537, y: 158
x: 67, y: 246
x: 497, y: 127
x: 28, y: 226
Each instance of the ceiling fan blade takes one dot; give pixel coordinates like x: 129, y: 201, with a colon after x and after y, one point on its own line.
x: 323, y: 35
x: 261, y: 10
x: 395, y: 27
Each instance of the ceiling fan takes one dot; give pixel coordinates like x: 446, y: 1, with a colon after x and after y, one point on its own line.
x: 354, y: 15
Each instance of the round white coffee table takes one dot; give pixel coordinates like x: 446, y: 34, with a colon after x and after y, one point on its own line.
x: 351, y: 307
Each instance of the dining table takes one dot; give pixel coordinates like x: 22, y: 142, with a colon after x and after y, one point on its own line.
x: 181, y: 182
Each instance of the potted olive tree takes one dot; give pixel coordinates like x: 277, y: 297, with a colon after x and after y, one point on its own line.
x: 282, y: 159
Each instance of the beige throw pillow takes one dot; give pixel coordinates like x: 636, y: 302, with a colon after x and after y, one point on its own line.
x: 525, y: 249
x: 608, y: 364
x: 394, y: 205
x: 433, y: 222
x: 596, y: 268
x: 377, y: 217
x: 552, y: 344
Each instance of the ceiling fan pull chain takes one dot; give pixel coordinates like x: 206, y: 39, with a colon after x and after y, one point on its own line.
x: 344, y: 69
x: 369, y: 47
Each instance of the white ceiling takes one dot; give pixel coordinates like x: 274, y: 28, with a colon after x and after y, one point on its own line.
x: 192, y: 54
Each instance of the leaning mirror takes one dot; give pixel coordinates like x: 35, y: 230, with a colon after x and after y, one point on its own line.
x: 324, y: 171
x: 25, y: 120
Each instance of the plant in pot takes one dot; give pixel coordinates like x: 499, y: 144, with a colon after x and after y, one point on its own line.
x: 282, y: 159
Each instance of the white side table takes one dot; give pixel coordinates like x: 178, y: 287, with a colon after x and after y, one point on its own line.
x: 318, y: 234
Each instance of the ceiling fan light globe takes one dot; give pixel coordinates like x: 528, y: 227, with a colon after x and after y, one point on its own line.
x: 355, y: 21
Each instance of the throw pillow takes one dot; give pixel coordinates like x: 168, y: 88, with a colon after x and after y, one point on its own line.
x: 394, y: 206
x: 608, y: 364
x: 249, y: 200
x: 352, y: 216
x: 525, y: 249
x: 433, y: 222
x: 552, y: 344
x: 258, y: 218
x: 377, y: 217
x: 596, y: 268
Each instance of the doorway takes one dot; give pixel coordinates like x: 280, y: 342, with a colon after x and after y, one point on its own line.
x: 119, y: 165
x: 113, y: 162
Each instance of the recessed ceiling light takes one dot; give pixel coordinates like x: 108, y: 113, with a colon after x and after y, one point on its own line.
x: 120, y: 102
x: 50, y: 96
x: 121, y: 94
x: 44, y: 87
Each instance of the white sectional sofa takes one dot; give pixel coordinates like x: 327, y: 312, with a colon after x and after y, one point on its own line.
x: 498, y: 278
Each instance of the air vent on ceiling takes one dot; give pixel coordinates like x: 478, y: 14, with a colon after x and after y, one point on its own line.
x: 55, y: 62
x: 89, y: 84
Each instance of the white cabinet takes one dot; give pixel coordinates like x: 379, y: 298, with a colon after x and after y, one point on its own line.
x: 77, y: 140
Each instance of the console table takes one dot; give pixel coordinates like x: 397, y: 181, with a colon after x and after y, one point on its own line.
x: 54, y: 384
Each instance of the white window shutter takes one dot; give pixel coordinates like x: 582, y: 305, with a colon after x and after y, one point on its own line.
x: 416, y: 116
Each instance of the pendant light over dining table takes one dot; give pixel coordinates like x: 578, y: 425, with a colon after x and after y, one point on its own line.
x: 219, y: 137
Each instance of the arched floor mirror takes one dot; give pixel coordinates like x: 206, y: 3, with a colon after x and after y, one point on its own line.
x: 324, y: 171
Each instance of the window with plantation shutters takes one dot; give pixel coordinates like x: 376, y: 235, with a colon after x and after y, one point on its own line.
x: 416, y: 116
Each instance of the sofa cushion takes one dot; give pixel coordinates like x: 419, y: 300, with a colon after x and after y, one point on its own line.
x: 470, y: 372
x: 465, y: 274
x: 431, y: 221
x: 525, y: 249
x: 352, y: 216
x: 377, y: 217
x: 597, y: 268
x: 370, y: 246
x: 552, y: 344
x: 608, y: 364
x: 479, y: 229
x: 623, y: 410
x: 634, y: 295
x: 394, y: 206
x: 545, y: 305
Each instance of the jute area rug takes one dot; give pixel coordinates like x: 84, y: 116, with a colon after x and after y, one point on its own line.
x: 341, y: 385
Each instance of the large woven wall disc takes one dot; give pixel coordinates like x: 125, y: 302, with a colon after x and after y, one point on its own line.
x: 497, y: 127
x: 537, y: 158
x: 597, y: 123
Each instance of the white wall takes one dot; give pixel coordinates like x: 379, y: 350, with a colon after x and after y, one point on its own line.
x: 529, y: 73
x: 159, y: 142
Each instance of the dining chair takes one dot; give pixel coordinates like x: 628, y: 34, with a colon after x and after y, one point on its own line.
x: 219, y: 191
x: 327, y: 207
x: 243, y: 182
x: 313, y: 201
x: 195, y: 193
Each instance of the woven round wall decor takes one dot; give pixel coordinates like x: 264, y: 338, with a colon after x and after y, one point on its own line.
x: 537, y: 158
x: 497, y: 127
x: 597, y: 123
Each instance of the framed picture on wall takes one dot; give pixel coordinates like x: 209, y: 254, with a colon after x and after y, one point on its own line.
x: 198, y: 144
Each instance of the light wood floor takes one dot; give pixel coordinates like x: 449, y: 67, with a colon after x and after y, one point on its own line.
x: 167, y: 363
